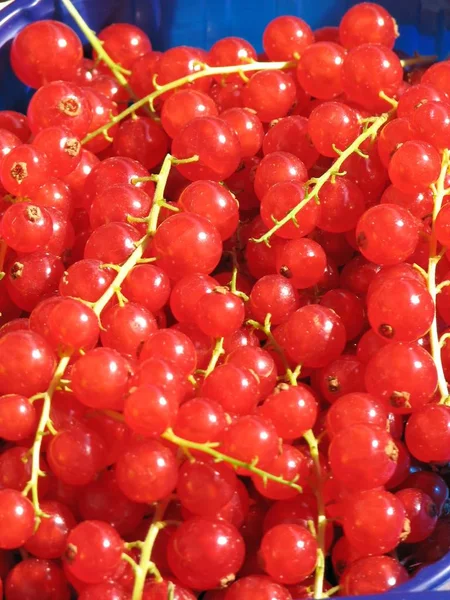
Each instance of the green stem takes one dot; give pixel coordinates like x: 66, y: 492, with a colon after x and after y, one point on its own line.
x: 211, y: 451
x: 433, y: 261
x: 205, y: 72
x: 96, y: 44
x: 217, y: 352
x: 32, y: 485
x: 145, y: 565
x: 313, y: 193
x: 321, y: 518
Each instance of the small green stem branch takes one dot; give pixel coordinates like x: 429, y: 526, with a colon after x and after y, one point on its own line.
x: 97, y: 307
x: 318, y: 183
x: 210, y: 449
x: 145, y: 565
x: 433, y: 261
x: 313, y: 445
x: 311, y: 440
x: 216, y: 354
x: 266, y: 328
x: 44, y: 421
x: 206, y: 71
x: 96, y: 44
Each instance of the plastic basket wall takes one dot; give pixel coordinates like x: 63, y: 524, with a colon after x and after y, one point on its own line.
x: 424, y: 27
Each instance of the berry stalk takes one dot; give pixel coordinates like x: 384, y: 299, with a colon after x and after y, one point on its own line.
x: 43, y: 427
x: 118, y: 71
x: 333, y: 171
x: 170, y: 436
x: 206, y: 71
x: 145, y: 564
x: 439, y: 193
x: 97, y: 307
x: 313, y: 445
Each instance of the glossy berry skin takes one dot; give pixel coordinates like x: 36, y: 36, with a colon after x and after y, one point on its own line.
x: 429, y: 445
x: 431, y: 484
x: 75, y: 455
x: 175, y: 347
x: 37, y: 579
x: 103, y: 591
x: 124, y: 43
x: 248, y: 127
x: 295, y: 542
x: 302, y: 262
x: 404, y: 375
x: 220, y: 313
x: 367, y: 23
x: 179, y: 62
x: 148, y: 286
x: 16, y: 123
x: 17, y: 518
x: 8, y: 141
x: 142, y: 139
x: 115, y: 171
x: 213, y: 201
x: 438, y: 77
x: 273, y: 294
x: 33, y: 278
x: 230, y: 51
x: 442, y: 225
x: 375, y: 448
x: 319, y: 70
x: 86, y: 279
x: 200, y: 420
x: 270, y: 94
x: 279, y: 200
x: 33, y: 53
x: 387, y: 234
x: 286, y: 36
x: 234, y: 387
x: 116, y: 203
x: 183, y: 106
x: 393, y: 134
x: 290, y: 134
x: 203, y: 551
x: 27, y: 353
x: 18, y: 417
x: 341, y: 205
x: 401, y: 310
x: 100, y: 378
x: 421, y: 512
x: 147, y: 472
x: 276, y: 167
x: 374, y: 521
x: 60, y: 104
x: 256, y: 586
x: 291, y: 464
x: 292, y: 410
x: 93, y: 550
x: 214, y: 142
x: 373, y: 575
x: 414, y: 166
x: 62, y: 149
x: 355, y: 408
x: 112, y: 243
x: 73, y: 326
x: 333, y: 124
x: 186, y: 243
x: 23, y: 170
x: 49, y: 541
x: 149, y: 412
x: 26, y: 227
x: 204, y: 487
x: 126, y: 327
x: 369, y: 69
x: 314, y: 337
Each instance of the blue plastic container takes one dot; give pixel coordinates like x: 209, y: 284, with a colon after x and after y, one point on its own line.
x: 424, y: 27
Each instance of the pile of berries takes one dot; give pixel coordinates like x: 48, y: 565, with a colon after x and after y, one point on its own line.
x: 225, y: 314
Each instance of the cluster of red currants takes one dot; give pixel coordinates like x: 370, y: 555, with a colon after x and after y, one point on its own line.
x: 223, y: 370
